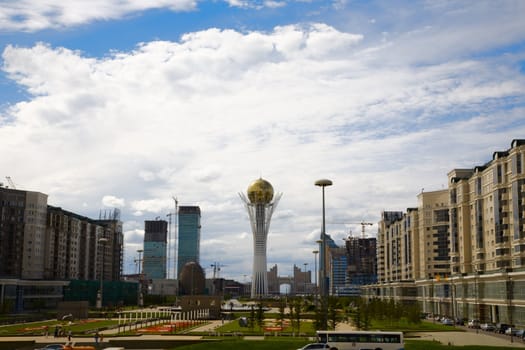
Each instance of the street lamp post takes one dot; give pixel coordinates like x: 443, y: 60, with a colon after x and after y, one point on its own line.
x: 510, y: 296
x: 315, y: 268
x: 323, y: 183
x: 141, y: 296
x: 305, y: 274
x: 102, y: 241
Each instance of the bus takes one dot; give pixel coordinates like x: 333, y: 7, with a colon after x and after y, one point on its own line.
x: 362, y: 340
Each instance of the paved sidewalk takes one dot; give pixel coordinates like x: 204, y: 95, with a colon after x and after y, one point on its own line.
x: 469, y: 338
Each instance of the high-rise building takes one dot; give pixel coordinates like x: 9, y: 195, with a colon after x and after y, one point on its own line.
x: 45, y: 248
x: 40, y: 241
x: 81, y: 248
x: 338, y: 267
x: 361, y: 266
x: 260, y: 205
x: 189, y: 236
x: 155, y: 242
x: 22, y: 233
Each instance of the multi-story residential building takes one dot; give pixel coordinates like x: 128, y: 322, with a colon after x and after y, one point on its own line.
x: 386, y: 254
x: 77, y: 246
x: 189, y: 236
x: 113, y: 248
x: 470, y: 260
x: 43, y: 247
x: 433, y: 226
x: 22, y: 233
x: 155, y: 244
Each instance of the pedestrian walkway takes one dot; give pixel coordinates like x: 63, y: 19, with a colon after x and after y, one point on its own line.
x: 469, y: 338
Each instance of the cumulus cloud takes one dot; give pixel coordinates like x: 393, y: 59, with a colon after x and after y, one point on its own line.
x: 202, y: 117
x: 112, y: 201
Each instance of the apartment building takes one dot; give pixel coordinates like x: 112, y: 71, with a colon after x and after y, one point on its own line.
x: 77, y: 247
x: 44, y: 247
x: 465, y: 257
x: 22, y: 233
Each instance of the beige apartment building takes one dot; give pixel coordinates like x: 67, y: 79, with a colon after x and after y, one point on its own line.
x: 461, y: 252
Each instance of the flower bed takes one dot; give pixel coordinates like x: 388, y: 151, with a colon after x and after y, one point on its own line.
x: 167, y: 327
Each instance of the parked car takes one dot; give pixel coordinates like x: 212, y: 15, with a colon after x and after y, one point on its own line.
x: 489, y: 327
x: 502, y: 327
x: 52, y: 347
x: 515, y: 332
x: 447, y: 322
x: 473, y: 323
x: 460, y: 321
x: 315, y: 346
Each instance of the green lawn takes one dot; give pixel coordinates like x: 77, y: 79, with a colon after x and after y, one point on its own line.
x: 38, y: 328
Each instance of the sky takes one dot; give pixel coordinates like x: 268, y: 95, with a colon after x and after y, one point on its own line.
x: 130, y: 103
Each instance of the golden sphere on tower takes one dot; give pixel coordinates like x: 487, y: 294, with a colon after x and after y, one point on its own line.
x: 260, y: 191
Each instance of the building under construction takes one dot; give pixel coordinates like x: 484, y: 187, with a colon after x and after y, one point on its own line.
x: 361, y: 262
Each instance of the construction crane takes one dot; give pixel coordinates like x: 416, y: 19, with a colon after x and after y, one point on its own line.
x: 216, y: 269
x: 11, y: 183
x: 362, y: 223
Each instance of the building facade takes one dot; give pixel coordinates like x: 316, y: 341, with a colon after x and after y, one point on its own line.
x: 155, y: 245
x: 189, y: 220
x: 22, y: 233
x: 47, y: 246
x: 361, y: 264
x: 465, y: 258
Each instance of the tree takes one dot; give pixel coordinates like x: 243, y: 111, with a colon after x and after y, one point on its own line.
x: 252, y: 317
x: 333, y: 315
x: 297, y: 305
x: 356, y: 315
x: 260, y: 315
x: 282, y: 306
x: 413, y: 313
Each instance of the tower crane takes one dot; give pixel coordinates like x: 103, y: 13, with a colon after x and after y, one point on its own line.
x: 216, y: 269
x: 362, y: 223
x: 11, y: 183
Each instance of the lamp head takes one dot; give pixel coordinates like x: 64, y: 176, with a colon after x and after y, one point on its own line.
x: 323, y: 183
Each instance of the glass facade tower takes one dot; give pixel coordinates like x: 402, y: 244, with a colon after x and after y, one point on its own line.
x: 189, y: 236
x: 155, y: 234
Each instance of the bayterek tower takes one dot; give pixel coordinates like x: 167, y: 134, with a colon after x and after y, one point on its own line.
x: 260, y: 205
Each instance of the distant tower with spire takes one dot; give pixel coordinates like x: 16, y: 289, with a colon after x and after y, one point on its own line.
x: 260, y: 204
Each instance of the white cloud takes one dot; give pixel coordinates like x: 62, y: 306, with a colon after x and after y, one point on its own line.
x: 155, y: 206
x: 201, y: 118
x: 33, y: 15
x: 112, y: 201
x: 274, y: 4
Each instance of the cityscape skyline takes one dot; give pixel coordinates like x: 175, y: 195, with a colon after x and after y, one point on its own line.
x: 130, y: 104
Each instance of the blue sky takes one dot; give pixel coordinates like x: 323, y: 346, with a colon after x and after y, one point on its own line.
x: 127, y: 103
